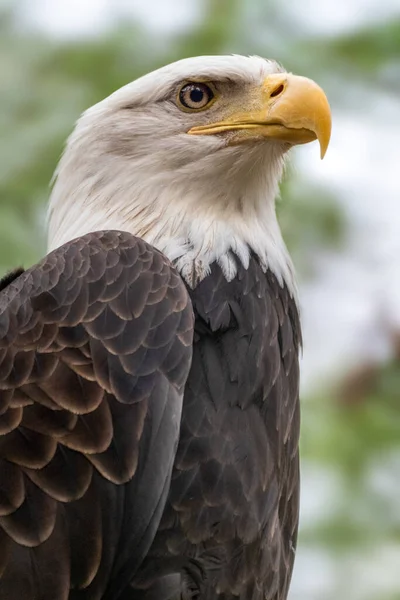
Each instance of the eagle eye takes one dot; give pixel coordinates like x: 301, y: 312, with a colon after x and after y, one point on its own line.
x: 195, y: 96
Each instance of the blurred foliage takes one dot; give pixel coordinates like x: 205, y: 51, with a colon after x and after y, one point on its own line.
x: 351, y: 437
x: 370, y: 49
x: 354, y: 435
x: 310, y: 220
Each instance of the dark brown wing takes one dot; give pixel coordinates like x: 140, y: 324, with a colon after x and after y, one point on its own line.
x: 95, y: 349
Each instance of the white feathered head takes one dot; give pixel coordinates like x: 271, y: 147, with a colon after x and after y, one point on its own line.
x: 189, y: 157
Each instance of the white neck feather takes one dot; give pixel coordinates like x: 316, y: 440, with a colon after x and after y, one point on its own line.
x: 194, y: 212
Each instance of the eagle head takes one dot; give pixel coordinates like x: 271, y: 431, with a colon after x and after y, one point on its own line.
x: 189, y: 157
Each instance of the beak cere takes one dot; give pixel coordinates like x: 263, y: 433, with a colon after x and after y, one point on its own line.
x: 289, y: 108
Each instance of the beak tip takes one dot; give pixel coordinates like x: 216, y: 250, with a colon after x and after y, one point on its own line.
x: 324, y: 138
x: 324, y: 145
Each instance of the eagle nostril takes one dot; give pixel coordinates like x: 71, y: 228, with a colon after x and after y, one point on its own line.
x: 278, y: 90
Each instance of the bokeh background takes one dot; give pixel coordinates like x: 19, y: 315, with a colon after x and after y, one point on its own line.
x: 340, y: 218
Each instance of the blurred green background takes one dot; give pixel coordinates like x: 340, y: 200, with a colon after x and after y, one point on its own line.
x: 340, y: 218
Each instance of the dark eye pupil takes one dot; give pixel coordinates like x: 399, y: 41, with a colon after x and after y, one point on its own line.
x: 196, y: 95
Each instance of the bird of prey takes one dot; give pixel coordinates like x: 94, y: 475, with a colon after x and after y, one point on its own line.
x: 149, y: 376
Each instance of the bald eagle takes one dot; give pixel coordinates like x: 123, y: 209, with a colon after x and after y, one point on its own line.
x: 149, y: 413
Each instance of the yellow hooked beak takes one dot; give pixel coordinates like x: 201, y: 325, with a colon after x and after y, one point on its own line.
x: 288, y: 108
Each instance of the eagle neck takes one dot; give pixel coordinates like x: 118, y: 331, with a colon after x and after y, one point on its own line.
x: 193, y: 218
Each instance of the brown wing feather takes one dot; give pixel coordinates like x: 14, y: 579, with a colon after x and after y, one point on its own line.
x: 95, y: 349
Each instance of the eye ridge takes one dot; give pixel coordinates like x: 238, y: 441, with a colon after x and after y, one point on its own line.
x: 195, y: 96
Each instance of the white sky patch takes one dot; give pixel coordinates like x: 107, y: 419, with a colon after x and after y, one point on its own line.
x: 321, y: 493
x: 87, y: 18
x: 339, y: 16
x: 68, y: 18
x: 314, y: 575
x: 166, y: 16
x: 365, y: 575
